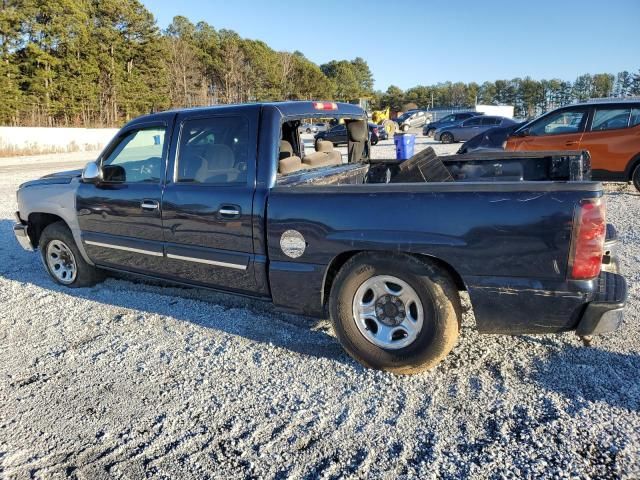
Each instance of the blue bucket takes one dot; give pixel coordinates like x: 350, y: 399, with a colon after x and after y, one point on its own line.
x: 405, y: 144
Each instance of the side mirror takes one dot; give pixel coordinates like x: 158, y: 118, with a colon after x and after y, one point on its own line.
x: 523, y: 133
x: 91, y: 173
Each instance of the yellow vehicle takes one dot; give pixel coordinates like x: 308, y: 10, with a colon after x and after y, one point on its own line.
x: 382, y: 117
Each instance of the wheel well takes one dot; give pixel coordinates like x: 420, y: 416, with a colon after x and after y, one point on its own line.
x: 38, y: 222
x: 631, y: 166
x: 337, y: 263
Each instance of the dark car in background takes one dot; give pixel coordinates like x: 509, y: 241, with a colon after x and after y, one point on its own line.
x: 462, y: 131
x: 430, y: 129
x: 492, y: 139
x: 338, y: 134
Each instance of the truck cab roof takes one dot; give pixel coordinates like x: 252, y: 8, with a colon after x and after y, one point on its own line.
x: 289, y: 109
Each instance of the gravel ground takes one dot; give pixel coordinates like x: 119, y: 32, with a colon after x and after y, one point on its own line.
x: 131, y: 379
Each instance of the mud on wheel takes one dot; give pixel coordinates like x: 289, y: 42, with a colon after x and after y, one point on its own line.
x: 395, y: 312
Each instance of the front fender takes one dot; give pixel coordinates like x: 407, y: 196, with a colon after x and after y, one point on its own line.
x: 56, y: 199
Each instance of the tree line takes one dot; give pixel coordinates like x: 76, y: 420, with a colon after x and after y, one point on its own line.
x: 529, y: 97
x: 103, y: 62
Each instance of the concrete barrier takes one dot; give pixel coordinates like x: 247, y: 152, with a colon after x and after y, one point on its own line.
x: 36, y: 140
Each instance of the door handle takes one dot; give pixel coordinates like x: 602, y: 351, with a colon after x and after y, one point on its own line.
x: 229, y: 211
x: 571, y: 142
x: 149, y: 205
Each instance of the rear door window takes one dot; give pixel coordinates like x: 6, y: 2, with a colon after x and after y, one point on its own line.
x: 635, y: 117
x: 213, y: 151
x: 472, y: 122
x: 490, y: 121
x: 610, y: 119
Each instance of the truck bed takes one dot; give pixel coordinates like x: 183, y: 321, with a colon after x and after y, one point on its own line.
x: 426, y: 166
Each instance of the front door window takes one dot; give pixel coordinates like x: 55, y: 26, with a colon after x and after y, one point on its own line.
x: 137, y: 158
x: 566, y: 121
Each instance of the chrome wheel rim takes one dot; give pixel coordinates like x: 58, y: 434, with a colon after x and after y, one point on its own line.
x: 61, y: 262
x: 388, y: 312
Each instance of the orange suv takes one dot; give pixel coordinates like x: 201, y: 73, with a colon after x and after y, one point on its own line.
x: 608, y: 130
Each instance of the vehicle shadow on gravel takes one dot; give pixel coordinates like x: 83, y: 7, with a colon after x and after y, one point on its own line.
x: 252, y: 319
x: 585, y: 375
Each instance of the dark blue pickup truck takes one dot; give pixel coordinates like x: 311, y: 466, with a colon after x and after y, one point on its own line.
x: 227, y: 198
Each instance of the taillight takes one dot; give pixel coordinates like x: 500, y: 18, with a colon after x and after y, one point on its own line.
x: 325, y: 105
x: 587, y: 245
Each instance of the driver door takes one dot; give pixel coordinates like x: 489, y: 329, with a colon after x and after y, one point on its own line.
x: 120, y: 216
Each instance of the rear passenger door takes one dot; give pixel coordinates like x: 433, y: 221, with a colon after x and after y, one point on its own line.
x: 207, y: 202
x: 471, y: 128
x: 613, y: 139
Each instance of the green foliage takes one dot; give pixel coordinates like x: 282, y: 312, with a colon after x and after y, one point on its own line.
x: 528, y: 96
x: 103, y: 62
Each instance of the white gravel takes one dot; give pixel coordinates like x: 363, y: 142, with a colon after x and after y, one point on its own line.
x: 131, y: 379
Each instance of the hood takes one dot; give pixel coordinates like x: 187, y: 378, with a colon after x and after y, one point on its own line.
x: 65, y: 174
x: 54, y: 178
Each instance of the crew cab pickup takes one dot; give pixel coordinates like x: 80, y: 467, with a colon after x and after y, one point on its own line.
x: 227, y: 198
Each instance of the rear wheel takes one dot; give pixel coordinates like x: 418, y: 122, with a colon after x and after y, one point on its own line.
x: 446, y: 137
x: 63, y: 260
x: 395, y: 312
x: 308, y: 130
x: 635, y: 178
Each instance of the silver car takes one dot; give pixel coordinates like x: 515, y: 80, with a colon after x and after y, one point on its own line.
x: 308, y: 128
x: 463, y: 131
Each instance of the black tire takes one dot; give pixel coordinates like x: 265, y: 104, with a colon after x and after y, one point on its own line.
x: 308, y: 130
x: 86, y: 275
x: 439, y: 299
x: 405, y: 128
x: 635, y: 177
x: 430, y: 132
x: 374, y: 142
x: 446, y: 137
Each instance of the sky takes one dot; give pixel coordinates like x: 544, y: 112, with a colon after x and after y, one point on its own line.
x: 410, y: 42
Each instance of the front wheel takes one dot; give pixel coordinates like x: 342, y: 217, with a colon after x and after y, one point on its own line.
x: 635, y: 178
x: 431, y: 132
x: 446, y: 138
x: 63, y: 260
x: 395, y: 312
x: 308, y: 130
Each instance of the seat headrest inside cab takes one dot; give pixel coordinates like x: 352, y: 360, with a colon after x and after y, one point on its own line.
x: 357, y: 130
